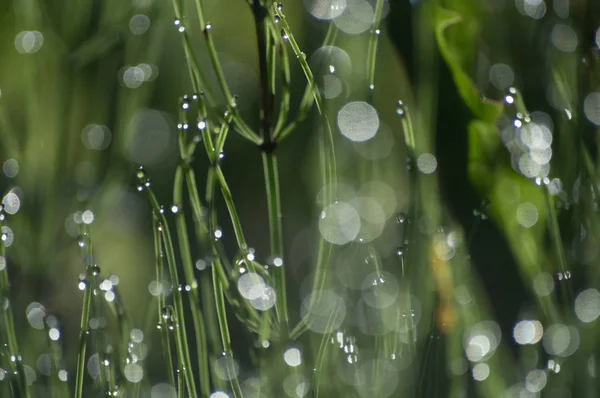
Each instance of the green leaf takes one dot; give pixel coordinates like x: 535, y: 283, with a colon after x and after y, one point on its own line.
x: 455, y: 37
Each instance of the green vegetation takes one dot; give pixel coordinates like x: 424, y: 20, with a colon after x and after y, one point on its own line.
x: 320, y: 198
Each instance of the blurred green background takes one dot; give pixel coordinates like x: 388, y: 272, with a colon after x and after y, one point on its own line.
x: 90, y: 89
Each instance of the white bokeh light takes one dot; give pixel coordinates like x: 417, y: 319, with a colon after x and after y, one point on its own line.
x: 358, y: 121
x: 325, y: 9
x: 587, y: 305
x: 29, y: 42
x: 339, y: 223
x: 527, y: 215
x: 292, y: 357
x: 591, y: 108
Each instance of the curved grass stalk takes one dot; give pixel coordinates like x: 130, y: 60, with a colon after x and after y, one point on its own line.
x: 307, y: 98
x: 86, y: 245
x: 373, y: 41
x: 180, y: 335
x: 267, y: 64
x: 553, y: 217
x: 276, y: 234
x: 162, y: 323
x: 206, y: 27
x: 188, y: 269
x: 224, y: 328
x: 326, y: 152
x: 8, y: 319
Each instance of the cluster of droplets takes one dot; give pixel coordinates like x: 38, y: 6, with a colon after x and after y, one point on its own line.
x: 528, y: 140
x: 563, y: 276
x: 481, y: 211
x: 347, y: 344
x: 143, y: 179
x: 401, y: 109
x: 403, y: 220
x: 168, y: 318
x: 179, y: 25
x: 137, y: 351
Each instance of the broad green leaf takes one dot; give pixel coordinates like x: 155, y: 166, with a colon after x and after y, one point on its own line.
x: 455, y: 37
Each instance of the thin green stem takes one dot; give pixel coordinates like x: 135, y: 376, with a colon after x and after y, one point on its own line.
x: 271, y: 171
x: 327, y: 151
x: 224, y: 328
x: 206, y: 27
x: 188, y: 269
x: 374, y: 39
x: 301, y: 56
x: 307, y: 101
x: 86, y: 245
x: 276, y: 233
x: 196, y: 76
x: 180, y: 335
x: 235, y: 219
x: 8, y: 318
x: 160, y: 279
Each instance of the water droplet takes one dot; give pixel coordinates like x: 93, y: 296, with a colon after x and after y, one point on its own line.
x: 174, y: 209
x: 181, y: 29
x: 177, y: 22
x: 400, y: 109
x: 401, y: 217
x: 141, y: 173
x: 185, y: 105
x: 94, y: 270
x: 284, y: 35
x: 279, y: 7
x: 208, y: 27
x: 400, y: 251
x: 166, y: 313
x: 201, y: 124
x: 83, y: 240
x: 301, y: 56
x: 372, y: 87
x: 277, y: 19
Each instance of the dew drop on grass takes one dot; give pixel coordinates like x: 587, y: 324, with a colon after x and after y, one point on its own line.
x: 276, y: 19
x: 94, y: 270
x: 284, y: 35
x: 166, y: 313
x: 401, y: 217
x: 83, y: 240
x: 400, y: 109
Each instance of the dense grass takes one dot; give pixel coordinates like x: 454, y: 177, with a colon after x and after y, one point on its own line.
x: 256, y: 199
